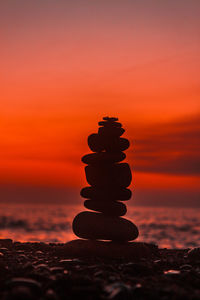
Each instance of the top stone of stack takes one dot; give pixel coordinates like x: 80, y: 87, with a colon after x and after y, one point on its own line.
x: 110, y: 127
x: 108, y: 137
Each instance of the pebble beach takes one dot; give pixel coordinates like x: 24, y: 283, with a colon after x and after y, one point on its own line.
x: 46, y: 271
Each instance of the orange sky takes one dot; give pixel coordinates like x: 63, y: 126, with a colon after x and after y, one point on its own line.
x: 66, y: 65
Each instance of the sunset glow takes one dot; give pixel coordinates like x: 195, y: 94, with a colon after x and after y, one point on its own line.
x: 65, y: 65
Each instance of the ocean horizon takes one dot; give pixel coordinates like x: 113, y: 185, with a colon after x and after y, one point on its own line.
x: 168, y: 227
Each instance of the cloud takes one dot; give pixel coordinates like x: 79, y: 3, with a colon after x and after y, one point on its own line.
x: 171, y: 148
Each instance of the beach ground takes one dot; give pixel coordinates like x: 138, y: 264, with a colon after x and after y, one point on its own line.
x: 45, y: 271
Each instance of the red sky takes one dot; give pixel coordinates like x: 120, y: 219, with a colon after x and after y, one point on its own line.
x: 66, y: 64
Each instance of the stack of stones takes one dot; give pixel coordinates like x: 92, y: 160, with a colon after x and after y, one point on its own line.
x: 108, y: 180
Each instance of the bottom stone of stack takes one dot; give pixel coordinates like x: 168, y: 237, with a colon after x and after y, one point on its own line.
x: 111, y: 208
x: 111, y: 250
x: 97, y: 226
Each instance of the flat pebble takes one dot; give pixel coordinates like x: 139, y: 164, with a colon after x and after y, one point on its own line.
x: 118, y: 290
x: 172, y: 272
x: 109, y: 124
x: 110, y: 208
x: 92, y: 249
x: 34, y: 285
x: 194, y: 253
x: 110, y: 119
x: 98, y: 143
x: 103, y: 157
x: 90, y: 225
x: 108, y: 194
x: 111, y: 131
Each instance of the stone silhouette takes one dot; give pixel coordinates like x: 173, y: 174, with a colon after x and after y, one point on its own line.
x: 108, y: 178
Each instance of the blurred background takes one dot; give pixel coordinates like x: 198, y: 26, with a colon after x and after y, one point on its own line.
x: 67, y: 64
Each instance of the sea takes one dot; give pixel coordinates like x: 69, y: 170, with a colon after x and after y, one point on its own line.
x: 168, y: 227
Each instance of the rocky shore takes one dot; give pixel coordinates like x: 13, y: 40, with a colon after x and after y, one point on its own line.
x: 49, y: 271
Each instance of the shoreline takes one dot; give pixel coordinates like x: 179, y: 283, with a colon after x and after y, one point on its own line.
x: 46, y: 271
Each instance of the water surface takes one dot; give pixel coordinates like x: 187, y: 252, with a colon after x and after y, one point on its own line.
x: 167, y: 227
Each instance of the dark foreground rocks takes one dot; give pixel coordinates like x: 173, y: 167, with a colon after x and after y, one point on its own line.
x: 48, y: 271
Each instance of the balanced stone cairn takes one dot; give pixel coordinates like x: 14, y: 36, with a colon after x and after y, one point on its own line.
x: 108, y: 180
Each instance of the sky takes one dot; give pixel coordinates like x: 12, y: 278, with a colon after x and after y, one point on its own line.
x: 67, y: 64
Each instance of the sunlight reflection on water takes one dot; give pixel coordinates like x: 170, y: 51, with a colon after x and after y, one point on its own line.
x: 167, y: 227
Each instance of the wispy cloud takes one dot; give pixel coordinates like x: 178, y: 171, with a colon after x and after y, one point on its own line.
x: 172, y: 147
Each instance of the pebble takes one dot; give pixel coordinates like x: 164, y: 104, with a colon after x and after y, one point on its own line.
x: 108, y: 124
x: 42, y: 268
x: 90, y: 225
x: 172, y: 272
x: 116, y: 175
x: 69, y: 262
x: 111, y: 131
x: 111, y: 208
x: 99, y: 143
x: 3, y: 250
x: 93, y: 249
x: 110, y: 119
x: 186, y: 267
x: 108, y: 194
x: 95, y: 143
x: 137, y: 269
x: 194, y: 253
x: 6, y: 243
x: 117, y: 144
x: 20, y: 293
x: 103, y: 157
x: 56, y: 270
x: 28, y: 267
x: 39, y: 253
x: 34, y: 285
x: 50, y: 295
x: 118, y: 290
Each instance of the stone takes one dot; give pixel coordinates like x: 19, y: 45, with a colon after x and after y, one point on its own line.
x: 51, y: 295
x: 6, y: 243
x: 97, y: 226
x: 110, y: 250
x: 186, y: 268
x: 112, y: 119
x: 20, y: 293
x: 95, y: 143
x: 109, y: 124
x: 109, y: 175
x: 194, y: 253
x: 98, y: 143
x: 172, y: 273
x: 116, y: 144
x: 112, y: 208
x: 103, y: 157
x: 107, y: 194
x: 111, y: 131
x: 118, y: 290
x: 28, y: 282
